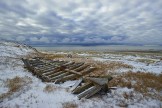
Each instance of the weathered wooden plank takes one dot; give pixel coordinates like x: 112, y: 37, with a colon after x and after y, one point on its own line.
x: 49, y: 68
x: 72, y: 67
x: 73, y: 72
x: 46, y: 67
x: 68, y: 77
x: 59, y: 76
x: 76, y: 65
x: 96, y: 90
x: 74, y: 76
x: 59, y: 68
x: 26, y: 62
x: 76, y: 84
x: 81, y: 68
x: 53, y: 68
x: 58, y: 64
x: 45, y: 78
x: 99, y: 81
x: 55, y: 72
x: 77, y: 70
x: 86, y: 92
x: 36, y: 63
x: 89, y: 70
x: 49, y: 65
x: 68, y: 74
x: 82, y: 88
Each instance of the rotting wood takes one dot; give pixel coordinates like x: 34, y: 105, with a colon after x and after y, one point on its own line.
x: 91, y: 85
x: 82, y: 88
x: 89, y: 92
x: 60, y: 71
x: 76, y: 84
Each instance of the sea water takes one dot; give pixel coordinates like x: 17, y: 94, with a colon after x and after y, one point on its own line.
x: 98, y: 48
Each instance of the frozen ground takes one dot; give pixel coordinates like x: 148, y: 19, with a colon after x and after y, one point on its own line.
x: 34, y: 95
x: 139, y: 63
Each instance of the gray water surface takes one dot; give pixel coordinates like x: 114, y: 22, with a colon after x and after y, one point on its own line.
x: 99, y: 48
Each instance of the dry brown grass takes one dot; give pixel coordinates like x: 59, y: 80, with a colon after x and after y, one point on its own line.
x: 94, y: 52
x: 50, y: 88
x: 53, y: 56
x: 14, y: 85
x: 69, y: 105
x: 116, y: 65
x: 106, y: 68
x: 146, y: 83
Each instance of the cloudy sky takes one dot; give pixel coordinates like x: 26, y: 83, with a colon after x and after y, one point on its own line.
x: 82, y: 21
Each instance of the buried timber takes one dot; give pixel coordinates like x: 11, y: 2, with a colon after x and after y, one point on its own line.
x: 58, y: 71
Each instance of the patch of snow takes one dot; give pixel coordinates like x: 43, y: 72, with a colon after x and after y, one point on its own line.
x: 84, y: 54
x: 68, y: 84
x: 9, y: 49
x: 155, y: 67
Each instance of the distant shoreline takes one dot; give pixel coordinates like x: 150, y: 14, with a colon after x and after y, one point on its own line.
x: 112, y: 48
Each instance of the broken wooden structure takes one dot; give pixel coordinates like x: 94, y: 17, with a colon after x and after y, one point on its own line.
x: 60, y: 71
x: 88, y: 86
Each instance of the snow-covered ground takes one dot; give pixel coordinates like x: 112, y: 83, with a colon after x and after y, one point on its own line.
x: 33, y: 94
x: 145, y: 63
x: 152, y: 65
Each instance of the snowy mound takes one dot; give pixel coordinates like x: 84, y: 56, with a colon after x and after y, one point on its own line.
x: 11, y: 49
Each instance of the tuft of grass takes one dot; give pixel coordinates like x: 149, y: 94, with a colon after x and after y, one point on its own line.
x: 69, y: 105
x: 50, y: 88
x: 15, y: 84
x: 116, y: 65
x: 148, y: 84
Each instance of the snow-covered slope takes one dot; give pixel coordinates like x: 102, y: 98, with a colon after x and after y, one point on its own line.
x: 11, y: 49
